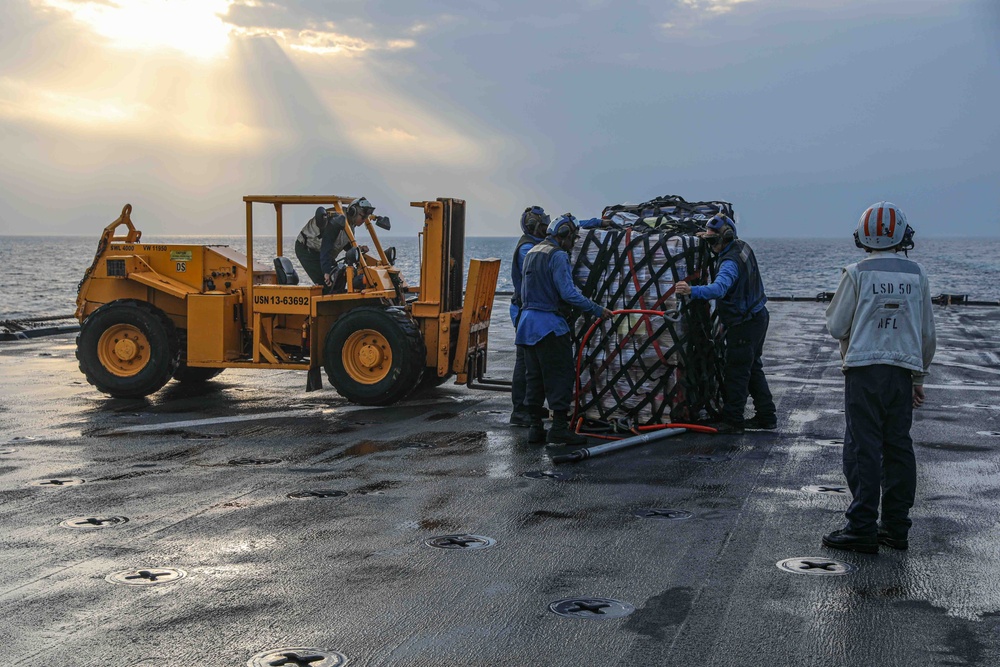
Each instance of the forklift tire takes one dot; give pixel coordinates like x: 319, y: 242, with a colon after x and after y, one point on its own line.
x: 192, y: 375
x: 128, y: 349
x: 374, y: 356
x: 431, y: 379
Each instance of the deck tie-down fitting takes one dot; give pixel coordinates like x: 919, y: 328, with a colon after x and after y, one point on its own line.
x: 592, y: 607
x: 812, y: 565
x: 461, y: 541
x: 147, y: 575
x: 95, y: 522
x: 296, y: 659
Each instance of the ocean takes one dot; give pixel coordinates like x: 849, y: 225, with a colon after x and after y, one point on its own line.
x: 43, y: 271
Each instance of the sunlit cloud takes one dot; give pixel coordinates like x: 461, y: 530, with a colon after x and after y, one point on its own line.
x: 116, y: 116
x: 19, y: 100
x: 193, y: 27
x: 324, y: 40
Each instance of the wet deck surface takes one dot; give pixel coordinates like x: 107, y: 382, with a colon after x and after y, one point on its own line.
x: 352, y: 573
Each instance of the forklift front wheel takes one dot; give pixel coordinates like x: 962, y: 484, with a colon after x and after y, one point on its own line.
x: 374, y: 356
x: 127, y: 348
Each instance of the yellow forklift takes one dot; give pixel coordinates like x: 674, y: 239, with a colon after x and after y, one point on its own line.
x: 151, y: 312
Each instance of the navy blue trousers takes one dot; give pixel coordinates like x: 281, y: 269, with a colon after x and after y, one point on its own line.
x: 549, y: 374
x: 519, y: 381
x: 744, y: 371
x: 878, y: 452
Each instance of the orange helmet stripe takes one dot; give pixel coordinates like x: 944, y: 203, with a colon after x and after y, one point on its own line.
x: 878, y: 228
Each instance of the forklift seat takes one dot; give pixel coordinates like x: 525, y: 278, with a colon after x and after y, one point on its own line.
x: 286, y: 272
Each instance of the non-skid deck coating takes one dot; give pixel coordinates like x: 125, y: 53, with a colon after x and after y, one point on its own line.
x: 353, y: 573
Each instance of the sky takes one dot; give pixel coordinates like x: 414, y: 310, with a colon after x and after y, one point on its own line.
x: 799, y: 112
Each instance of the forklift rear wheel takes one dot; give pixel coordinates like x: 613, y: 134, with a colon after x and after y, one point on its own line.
x: 374, y: 356
x: 128, y: 349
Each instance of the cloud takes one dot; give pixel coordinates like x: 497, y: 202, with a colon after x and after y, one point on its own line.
x: 713, y: 7
x: 691, y: 13
x: 324, y: 40
x: 193, y: 27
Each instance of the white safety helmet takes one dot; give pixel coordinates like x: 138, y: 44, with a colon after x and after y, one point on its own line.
x: 881, y: 227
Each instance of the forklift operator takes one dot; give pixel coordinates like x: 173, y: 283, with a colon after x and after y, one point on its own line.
x: 308, y: 245
x: 334, y: 241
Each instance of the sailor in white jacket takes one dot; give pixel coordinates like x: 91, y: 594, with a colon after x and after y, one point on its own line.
x: 883, y: 317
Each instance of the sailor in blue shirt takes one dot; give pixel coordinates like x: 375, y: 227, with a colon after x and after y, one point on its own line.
x: 534, y: 222
x: 544, y: 335
x: 739, y: 296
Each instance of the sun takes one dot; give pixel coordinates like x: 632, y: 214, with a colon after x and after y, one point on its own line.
x: 192, y: 27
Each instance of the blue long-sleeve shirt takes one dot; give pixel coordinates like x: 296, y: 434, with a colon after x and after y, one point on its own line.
x: 724, y: 280
x: 516, y: 272
x: 538, y: 322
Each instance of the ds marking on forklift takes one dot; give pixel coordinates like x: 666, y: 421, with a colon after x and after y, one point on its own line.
x: 297, y: 657
x: 93, y: 523
x: 147, y: 577
x: 820, y: 567
x: 602, y: 609
x: 461, y: 542
x: 663, y: 514
x: 57, y: 483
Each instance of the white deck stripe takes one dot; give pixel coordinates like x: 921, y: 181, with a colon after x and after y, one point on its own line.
x: 213, y: 420
x: 250, y: 416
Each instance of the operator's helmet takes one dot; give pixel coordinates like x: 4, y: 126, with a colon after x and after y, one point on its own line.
x: 532, y: 218
x: 320, y: 217
x: 563, y: 227
x: 360, y: 207
x: 881, y: 227
x: 722, y: 225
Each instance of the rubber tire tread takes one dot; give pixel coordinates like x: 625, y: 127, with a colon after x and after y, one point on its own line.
x: 160, y: 333
x: 432, y: 380
x: 195, y: 374
x: 191, y: 375
x: 409, y: 355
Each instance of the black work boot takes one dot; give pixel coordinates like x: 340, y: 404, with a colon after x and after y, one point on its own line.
x: 726, y: 428
x: 520, y: 418
x: 847, y: 541
x: 561, y: 434
x: 536, y: 432
x: 757, y: 423
x: 893, y: 539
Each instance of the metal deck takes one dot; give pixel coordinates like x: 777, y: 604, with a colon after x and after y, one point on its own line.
x: 204, y: 480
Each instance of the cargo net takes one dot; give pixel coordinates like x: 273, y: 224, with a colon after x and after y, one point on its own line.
x: 643, y: 368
